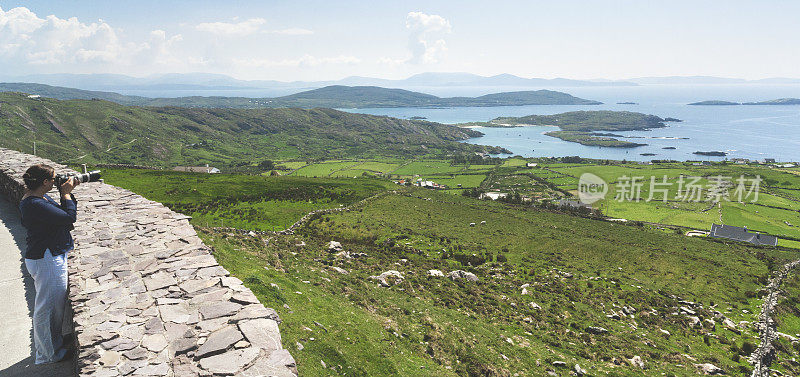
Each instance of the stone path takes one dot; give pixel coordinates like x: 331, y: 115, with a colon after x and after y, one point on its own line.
x: 16, y: 352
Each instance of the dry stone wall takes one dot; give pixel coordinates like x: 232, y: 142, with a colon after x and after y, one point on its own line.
x: 763, y: 356
x: 148, y: 297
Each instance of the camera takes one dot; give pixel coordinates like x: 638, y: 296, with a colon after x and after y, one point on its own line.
x: 92, y: 176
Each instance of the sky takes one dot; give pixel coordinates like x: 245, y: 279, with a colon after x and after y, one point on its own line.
x: 329, y: 40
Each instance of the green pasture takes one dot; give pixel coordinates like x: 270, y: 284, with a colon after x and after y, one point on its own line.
x: 323, y: 169
x: 466, y: 180
x: 243, y: 201
x: 424, y: 168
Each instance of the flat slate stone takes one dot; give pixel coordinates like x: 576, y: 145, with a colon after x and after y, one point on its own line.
x: 262, y: 333
x: 136, y: 353
x: 262, y: 368
x: 245, y: 298
x: 219, y: 309
x: 154, y: 342
x: 230, y: 362
x: 161, y: 369
x: 174, y: 313
x: 282, y: 358
x: 220, y: 341
x: 159, y: 280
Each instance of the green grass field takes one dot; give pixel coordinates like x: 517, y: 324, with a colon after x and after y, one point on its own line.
x: 580, y: 272
x: 243, y: 201
x: 428, y: 326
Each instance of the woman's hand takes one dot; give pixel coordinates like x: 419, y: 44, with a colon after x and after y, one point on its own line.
x: 66, y: 187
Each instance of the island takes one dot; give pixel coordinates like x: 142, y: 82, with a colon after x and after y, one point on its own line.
x: 587, y: 138
x: 676, y: 120
x: 647, y: 154
x: 714, y: 103
x: 711, y: 153
x: 780, y: 101
x: 627, y: 103
x: 580, y: 126
x: 668, y: 148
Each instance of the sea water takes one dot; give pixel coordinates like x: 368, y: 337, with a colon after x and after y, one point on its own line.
x: 744, y: 131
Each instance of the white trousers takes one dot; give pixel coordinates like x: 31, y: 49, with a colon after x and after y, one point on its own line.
x: 50, y: 279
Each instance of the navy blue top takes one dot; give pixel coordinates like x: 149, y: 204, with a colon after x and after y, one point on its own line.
x: 48, y: 225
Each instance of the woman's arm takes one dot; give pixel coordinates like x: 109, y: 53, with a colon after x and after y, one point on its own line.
x: 66, y: 214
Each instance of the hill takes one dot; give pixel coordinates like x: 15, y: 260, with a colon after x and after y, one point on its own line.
x: 714, y: 103
x: 780, y: 101
x: 102, y: 131
x: 63, y: 93
x: 357, y: 96
x: 335, y: 96
x: 372, y: 96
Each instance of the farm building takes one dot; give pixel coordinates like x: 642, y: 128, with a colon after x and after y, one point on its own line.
x: 493, y: 195
x: 198, y: 169
x: 741, y: 234
x: 572, y: 203
x: 429, y: 184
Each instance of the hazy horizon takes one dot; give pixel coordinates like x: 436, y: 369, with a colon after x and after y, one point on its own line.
x: 315, y: 41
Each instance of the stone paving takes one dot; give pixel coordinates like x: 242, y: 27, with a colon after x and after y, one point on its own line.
x: 149, y: 298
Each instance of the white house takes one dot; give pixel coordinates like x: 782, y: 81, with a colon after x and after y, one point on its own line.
x: 493, y: 195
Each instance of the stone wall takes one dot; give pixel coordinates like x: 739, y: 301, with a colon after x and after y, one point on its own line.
x: 148, y: 297
x: 763, y: 356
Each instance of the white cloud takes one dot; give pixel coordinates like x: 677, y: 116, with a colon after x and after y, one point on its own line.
x: 53, y: 40
x: 304, y: 61
x: 426, y: 42
x: 28, y: 41
x: 238, y: 29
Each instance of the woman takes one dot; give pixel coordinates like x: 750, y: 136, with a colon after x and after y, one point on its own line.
x: 49, y: 240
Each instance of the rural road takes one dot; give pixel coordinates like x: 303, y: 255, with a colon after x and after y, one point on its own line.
x: 16, y: 352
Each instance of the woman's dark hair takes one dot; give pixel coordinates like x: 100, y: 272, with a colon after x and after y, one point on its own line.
x: 35, y: 175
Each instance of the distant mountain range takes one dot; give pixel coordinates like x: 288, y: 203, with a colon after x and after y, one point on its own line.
x: 217, y: 82
x: 209, y: 81
x: 335, y: 96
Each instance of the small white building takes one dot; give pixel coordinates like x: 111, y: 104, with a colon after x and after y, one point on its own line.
x: 493, y: 195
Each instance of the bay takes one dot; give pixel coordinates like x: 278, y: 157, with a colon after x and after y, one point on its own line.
x: 753, y: 132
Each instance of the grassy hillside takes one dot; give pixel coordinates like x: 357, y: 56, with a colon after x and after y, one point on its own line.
x: 638, y: 283
x: 243, y: 201
x: 63, y: 93
x: 101, y: 131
